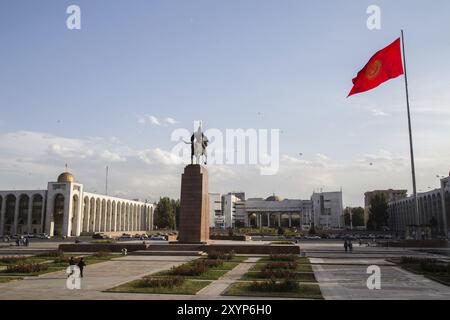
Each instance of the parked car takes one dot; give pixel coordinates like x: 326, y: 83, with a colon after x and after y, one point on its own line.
x: 100, y: 236
x: 43, y: 236
x: 158, y: 238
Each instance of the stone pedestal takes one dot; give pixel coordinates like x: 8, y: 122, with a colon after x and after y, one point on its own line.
x: 194, y: 211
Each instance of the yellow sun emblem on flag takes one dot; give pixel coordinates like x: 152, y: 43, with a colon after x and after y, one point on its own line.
x: 373, y: 69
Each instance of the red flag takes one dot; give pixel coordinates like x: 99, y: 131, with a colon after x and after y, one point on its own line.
x: 386, y: 64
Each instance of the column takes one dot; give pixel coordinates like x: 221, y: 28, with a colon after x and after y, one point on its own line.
x: 30, y: 212
x: 290, y: 220
x: 268, y: 220
x: 2, y: 215
x: 16, y: 216
x: 44, y: 201
x: 258, y: 220
x: 279, y: 220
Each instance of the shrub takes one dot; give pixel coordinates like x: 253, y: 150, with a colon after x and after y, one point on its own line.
x: 189, y: 269
x: 275, y: 286
x: 283, y: 257
x: 104, y: 241
x: 282, y: 242
x: 278, y: 274
x: 211, y: 263
x: 15, y: 260
x: 284, y: 265
x: 53, y: 253
x: 216, y: 255
x: 435, y: 267
x: 166, y: 282
x: 26, y: 268
x: 416, y: 260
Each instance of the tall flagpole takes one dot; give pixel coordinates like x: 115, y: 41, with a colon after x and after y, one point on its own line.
x: 413, y: 168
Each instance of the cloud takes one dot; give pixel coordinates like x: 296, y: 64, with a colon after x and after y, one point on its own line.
x: 170, y: 120
x: 378, y: 113
x: 153, y: 120
x: 30, y: 159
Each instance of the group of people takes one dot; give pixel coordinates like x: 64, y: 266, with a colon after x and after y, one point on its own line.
x: 81, y: 264
x: 20, y: 241
x: 348, y: 245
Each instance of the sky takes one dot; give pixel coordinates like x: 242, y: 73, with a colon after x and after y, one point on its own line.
x: 112, y: 93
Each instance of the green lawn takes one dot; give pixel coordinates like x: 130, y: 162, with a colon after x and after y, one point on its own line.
x: 299, y: 260
x: 416, y: 268
x: 226, y: 266
x: 234, y: 259
x: 210, y: 274
x: 300, y: 267
x: 54, y: 267
x: 188, y: 287
x: 306, y: 291
x: 8, y: 279
x: 301, y: 277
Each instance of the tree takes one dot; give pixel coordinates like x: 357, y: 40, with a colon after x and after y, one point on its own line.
x: 177, y: 208
x: 357, y: 216
x: 378, y: 213
x: 165, y: 214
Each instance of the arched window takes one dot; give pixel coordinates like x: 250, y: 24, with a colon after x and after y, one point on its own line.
x: 73, y: 221
x: 9, y: 213
x: 58, y: 214
x: 36, y: 212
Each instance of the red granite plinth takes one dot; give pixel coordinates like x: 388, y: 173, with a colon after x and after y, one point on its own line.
x: 194, y: 211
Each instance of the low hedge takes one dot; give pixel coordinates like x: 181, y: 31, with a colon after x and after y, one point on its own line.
x: 281, y: 265
x: 26, y: 268
x: 272, y: 285
x: 283, y: 257
x: 154, y: 282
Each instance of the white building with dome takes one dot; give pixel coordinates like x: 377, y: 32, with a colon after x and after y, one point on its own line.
x: 65, y: 209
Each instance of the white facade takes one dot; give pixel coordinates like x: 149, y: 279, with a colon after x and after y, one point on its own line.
x: 328, y: 211
x: 216, y: 219
x: 434, y: 211
x: 64, y: 209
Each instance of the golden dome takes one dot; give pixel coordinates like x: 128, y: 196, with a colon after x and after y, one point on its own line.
x: 66, y: 177
x: 274, y: 198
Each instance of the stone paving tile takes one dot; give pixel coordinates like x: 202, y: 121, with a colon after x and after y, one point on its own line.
x: 216, y: 288
x: 98, y: 277
x: 348, y: 282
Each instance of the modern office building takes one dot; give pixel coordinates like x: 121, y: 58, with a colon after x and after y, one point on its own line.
x: 328, y: 211
x: 65, y: 209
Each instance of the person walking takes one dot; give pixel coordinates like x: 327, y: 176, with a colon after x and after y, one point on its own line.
x: 71, y: 261
x: 346, y: 246
x: 81, y: 264
x: 350, y: 246
x: 27, y: 242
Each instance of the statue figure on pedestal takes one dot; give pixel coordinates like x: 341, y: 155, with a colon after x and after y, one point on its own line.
x: 198, y: 143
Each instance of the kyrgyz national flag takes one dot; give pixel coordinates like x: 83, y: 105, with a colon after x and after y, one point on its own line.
x: 386, y: 64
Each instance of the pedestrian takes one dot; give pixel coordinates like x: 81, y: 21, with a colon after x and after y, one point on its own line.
x: 81, y: 265
x: 18, y: 242
x: 71, y: 261
x: 350, y: 246
x: 124, y: 251
x: 346, y: 246
x: 27, y: 242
